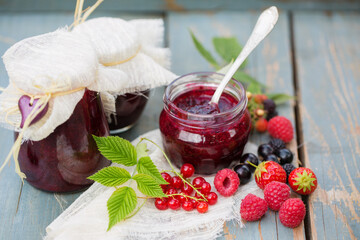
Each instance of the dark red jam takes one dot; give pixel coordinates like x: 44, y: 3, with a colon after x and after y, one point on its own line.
x: 129, y: 107
x: 195, y: 132
x: 62, y: 161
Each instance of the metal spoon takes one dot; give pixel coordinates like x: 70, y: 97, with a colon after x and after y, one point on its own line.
x: 263, y: 27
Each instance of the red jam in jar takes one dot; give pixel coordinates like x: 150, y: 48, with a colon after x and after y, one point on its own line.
x: 193, y: 131
x: 129, y: 107
x: 62, y: 161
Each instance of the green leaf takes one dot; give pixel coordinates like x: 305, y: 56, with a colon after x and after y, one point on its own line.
x: 141, y: 150
x: 254, y: 88
x: 205, y: 53
x: 117, y: 150
x: 148, y: 186
x: 111, y: 176
x: 279, y: 98
x: 228, y: 48
x: 146, y: 166
x: 246, y: 78
x: 121, y: 203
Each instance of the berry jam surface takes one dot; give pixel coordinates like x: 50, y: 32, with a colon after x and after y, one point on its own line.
x: 198, y: 102
x: 62, y: 161
x: 209, y: 145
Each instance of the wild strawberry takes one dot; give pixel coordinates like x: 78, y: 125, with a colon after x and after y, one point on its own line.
x: 267, y: 172
x: 253, y: 208
x: 303, y: 181
x: 261, y: 125
x: 281, y: 127
x: 292, y: 212
x: 226, y: 182
x: 259, y: 98
x: 275, y: 194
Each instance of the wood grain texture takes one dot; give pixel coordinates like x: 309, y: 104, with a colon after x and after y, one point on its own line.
x: 25, y: 211
x: 179, y: 5
x: 270, y: 63
x: 328, y: 59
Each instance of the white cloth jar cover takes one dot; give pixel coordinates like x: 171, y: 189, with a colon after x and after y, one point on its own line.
x: 55, y: 62
x: 130, y: 54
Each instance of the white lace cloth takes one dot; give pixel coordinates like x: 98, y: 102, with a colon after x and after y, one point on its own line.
x: 87, y: 217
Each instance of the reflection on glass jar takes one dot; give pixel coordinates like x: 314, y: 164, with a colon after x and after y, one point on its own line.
x: 192, y: 133
x: 62, y: 161
x: 129, y: 108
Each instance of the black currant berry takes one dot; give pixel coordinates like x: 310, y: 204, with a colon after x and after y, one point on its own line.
x: 269, y: 105
x: 285, y: 156
x: 271, y: 115
x: 272, y: 157
x: 243, y: 172
x: 264, y: 150
x: 288, y: 167
x: 277, y: 144
x: 249, y: 157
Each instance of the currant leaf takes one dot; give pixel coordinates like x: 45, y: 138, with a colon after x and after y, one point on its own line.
x: 148, y: 186
x: 117, y: 150
x: 111, y: 176
x: 146, y: 166
x: 120, y: 204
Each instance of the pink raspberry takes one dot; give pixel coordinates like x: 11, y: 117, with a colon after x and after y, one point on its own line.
x: 281, y: 127
x: 292, y: 212
x: 226, y: 182
x: 275, y: 194
x: 253, y: 208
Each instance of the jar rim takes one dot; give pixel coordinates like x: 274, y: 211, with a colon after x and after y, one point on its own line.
x: 238, y: 108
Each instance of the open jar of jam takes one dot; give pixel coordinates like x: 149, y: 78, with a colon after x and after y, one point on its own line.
x: 195, y: 131
x: 62, y: 161
x: 129, y: 108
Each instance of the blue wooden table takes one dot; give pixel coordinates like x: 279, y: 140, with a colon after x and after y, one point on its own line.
x: 313, y: 53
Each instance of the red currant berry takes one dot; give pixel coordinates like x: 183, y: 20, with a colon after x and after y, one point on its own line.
x: 187, y: 206
x: 164, y: 187
x: 187, y: 170
x: 171, y: 191
x: 205, y: 188
x: 166, y: 177
x: 202, y: 207
x: 176, y: 182
x: 198, y: 181
x: 174, y: 204
x: 194, y: 202
x: 187, y: 189
x: 212, y: 198
x: 181, y: 198
x: 161, y: 203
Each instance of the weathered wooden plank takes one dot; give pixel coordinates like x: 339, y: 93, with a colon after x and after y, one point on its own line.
x: 25, y: 211
x: 328, y: 60
x: 270, y: 63
x: 179, y: 5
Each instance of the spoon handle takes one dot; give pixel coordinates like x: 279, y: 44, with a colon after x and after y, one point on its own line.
x: 263, y: 27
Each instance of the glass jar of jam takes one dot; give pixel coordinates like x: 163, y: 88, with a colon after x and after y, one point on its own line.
x: 128, y: 107
x: 62, y: 161
x: 195, y: 131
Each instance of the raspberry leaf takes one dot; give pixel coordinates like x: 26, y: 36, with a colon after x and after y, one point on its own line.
x: 146, y: 166
x: 121, y: 203
x: 141, y: 150
x: 111, y: 176
x: 205, y: 53
x: 228, y: 48
x: 117, y: 150
x: 148, y: 186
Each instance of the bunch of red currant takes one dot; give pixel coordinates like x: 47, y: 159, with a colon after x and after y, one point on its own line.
x: 180, y: 192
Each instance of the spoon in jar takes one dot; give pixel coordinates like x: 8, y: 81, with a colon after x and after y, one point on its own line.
x: 263, y: 27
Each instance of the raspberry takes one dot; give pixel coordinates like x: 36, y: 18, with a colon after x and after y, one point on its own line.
x: 275, y: 194
x: 277, y: 144
x: 292, y: 212
x: 253, y: 208
x: 281, y: 127
x: 261, y: 125
x: 226, y: 182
